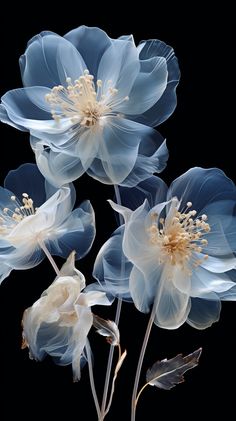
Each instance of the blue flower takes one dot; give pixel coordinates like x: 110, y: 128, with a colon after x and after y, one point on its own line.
x: 33, y: 213
x: 90, y: 103
x: 58, y: 323
x: 180, y: 243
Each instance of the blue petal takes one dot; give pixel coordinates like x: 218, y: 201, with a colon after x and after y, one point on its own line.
x: 4, y: 118
x: 49, y: 59
x: 205, y: 282
x: 167, y: 103
x: 202, y: 187
x: 152, y: 158
x: 79, y: 235
x: 112, y: 269
x: 148, y: 87
x: 58, y: 168
x: 204, y: 311
x: 27, y: 179
x: 91, y: 43
x: 27, y: 114
x: 173, y: 306
x: 5, y: 271
x: 118, y: 151
x: 153, y: 189
x: 120, y: 65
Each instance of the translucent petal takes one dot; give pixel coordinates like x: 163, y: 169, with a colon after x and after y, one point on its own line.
x: 148, y: 87
x: 91, y: 43
x: 202, y: 187
x: 76, y: 233
x: 5, y: 271
x: 173, y: 306
x: 27, y: 179
x: 137, y: 285
x: 153, y: 189
x: 218, y: 264
x: 167, y: 103
x: 111, y: 268
x: 204, y: 311
x: 222, y: 236
x: 204, y: 282
x: 69, y: 269
x: 4, y: 118
x: 118, y: 150
x: 32, y: 115
x: 49, y: 59
x: 80, y: 333
x: 120, y: 65
x: 57, y: 167
x: 93, y: 298
x: 147, y: 162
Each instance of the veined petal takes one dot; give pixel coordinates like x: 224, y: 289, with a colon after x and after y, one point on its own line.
x: 152, y: 158
x: 172, y: 305
x: 49, y: 59
x: 167, y: 103
x: 153, y: 189
x: 201, y: 187
x: 91, y: 43
x: 32, y: 115
x: 218, y: 264
x: 58, y: 168
x: 148, y: 87
x: 120, y: 65
x: 118, y: 149
x: 204, y: 311
x: 77, y: 232
x: 112, y: 268
x: 204, y: 282
x: 27, y: 179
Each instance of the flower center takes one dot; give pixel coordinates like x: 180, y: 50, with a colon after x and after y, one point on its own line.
x: 179, y: 236
x: 84, y: 102
x: 9, y: 218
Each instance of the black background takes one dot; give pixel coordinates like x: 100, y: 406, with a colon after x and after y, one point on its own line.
x: 200, y: 133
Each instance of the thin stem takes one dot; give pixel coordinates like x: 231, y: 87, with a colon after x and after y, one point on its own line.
x: 49, y: 256
x: 109, y: 363
x: 117, y: 319
x: 140, y: 362
x: 139, y: 393
x: 91, y: 378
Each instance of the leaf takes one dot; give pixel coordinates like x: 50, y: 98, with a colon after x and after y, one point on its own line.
x: 166, y: 374
x: 107, y: 328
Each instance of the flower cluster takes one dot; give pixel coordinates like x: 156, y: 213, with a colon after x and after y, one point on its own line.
x: 90, y: 104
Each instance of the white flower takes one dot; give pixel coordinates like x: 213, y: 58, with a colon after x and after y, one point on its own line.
x: 59, y: 322
x: 33, y: 213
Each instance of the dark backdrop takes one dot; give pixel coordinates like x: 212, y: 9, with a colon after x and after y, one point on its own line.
x: 199, y: 133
